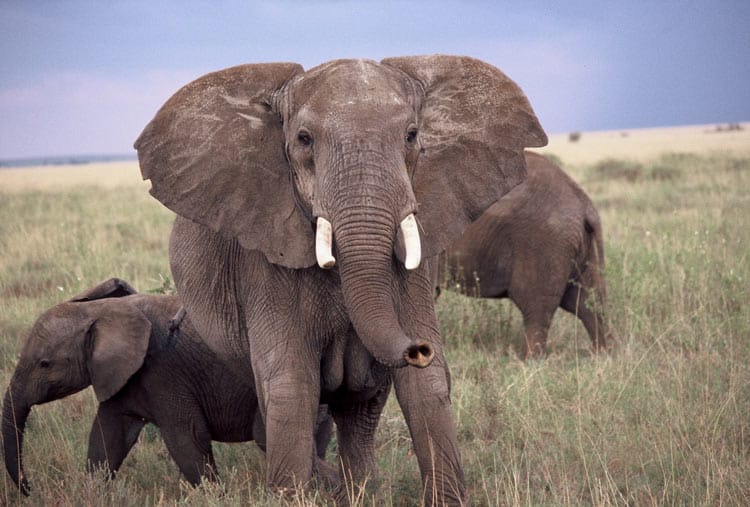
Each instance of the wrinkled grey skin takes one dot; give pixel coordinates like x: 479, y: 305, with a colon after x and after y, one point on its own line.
x: 118, y: 341
x: 541, y: 246
x: 248, y: 157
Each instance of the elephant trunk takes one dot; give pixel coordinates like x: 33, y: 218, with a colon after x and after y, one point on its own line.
x: 364, y: 238
x: 15, y: 412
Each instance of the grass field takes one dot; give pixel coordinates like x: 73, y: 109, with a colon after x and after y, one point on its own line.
x: 663, y: 420
x: 648, y: 144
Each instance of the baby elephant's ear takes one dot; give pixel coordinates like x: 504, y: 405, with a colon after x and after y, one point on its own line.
x: 112, y: 288
x: 118, y: 341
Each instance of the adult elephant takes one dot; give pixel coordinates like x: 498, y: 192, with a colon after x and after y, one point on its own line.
x: 264, y: 164
x: 542, y: 246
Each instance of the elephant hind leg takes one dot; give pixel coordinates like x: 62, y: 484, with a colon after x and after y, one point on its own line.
x: 576, y: 301
x: 326, y: 474
x: 537, y: 317
x: 356, y: 424
x: 537, y: 300
x: 189, y: 445
x: 535, y: 337
x: 323, y: 431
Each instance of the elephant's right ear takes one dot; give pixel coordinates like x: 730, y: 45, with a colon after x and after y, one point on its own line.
x: 117, y: 344
x: 112, y: 288
x: 215, y: 154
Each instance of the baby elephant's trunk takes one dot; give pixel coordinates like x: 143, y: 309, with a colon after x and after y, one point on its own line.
x: 15, y: 413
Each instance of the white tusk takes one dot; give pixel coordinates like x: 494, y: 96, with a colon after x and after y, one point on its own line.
x: 324, y: 244
x: 412, y: 244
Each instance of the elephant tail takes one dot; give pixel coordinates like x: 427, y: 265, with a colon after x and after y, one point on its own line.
x: 595, y: 267
x: 594, y: 255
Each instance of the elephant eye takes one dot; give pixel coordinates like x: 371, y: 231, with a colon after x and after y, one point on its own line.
x: 411, y: 135
x: 305, y: 138
x: 44, y: 363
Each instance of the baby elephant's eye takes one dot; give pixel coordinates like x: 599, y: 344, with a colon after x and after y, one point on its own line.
x: 44, y: 363
x: 411, y: 135
x: 305, y: 138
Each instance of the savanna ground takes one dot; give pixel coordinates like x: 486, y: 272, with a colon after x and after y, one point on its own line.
x: 663, y: 420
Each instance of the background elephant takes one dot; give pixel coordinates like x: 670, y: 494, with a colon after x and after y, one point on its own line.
x: 117, y: 340
x: 271, y: 168
x: 541, y: 246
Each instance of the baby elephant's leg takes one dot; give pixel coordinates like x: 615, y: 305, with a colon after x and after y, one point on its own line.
x: 112, y: 435
x: 189, y: 444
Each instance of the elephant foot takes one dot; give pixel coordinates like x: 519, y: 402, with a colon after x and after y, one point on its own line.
x: 327, y: 475
x: 607, y: 344
x: 533, y: 351
x: 351, y: 494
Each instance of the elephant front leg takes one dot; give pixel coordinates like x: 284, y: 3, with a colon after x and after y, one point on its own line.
x: 289, y: 398
x: 112, y: 436
x: 424, y: 398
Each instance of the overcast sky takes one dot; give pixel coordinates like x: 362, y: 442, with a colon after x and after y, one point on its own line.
x: 84, y: 77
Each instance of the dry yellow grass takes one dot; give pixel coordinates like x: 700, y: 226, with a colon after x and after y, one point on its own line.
x: 60, y: 177
x: 648, y: 144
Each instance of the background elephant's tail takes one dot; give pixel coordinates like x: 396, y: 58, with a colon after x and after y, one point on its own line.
x: 593, y: 225
x: 595, y: 271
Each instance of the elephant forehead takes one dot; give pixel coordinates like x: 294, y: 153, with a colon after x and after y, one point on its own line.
x: 353, y: 117
x: 58, y: 321
x: 347, y: 84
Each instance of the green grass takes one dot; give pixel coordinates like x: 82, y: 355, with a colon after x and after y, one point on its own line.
x: 663, y: 420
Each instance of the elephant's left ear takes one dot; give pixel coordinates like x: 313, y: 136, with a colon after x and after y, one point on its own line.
x: 117, y: 344
x: 112, y: 288
x: 474, y: 123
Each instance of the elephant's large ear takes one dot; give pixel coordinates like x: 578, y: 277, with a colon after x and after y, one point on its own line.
x: 215, y: 154
x: 117, y: 344
x: 112, y: 288
x: 474, y: 123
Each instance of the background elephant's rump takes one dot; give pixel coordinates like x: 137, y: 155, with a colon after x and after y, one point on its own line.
x: 541, y: 246
x: 364, y: 142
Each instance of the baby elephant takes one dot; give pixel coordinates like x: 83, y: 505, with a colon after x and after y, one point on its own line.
x: 541, y: 246
x: 120, y: 343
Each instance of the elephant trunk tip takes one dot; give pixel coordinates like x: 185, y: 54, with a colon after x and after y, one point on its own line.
x: 420, y: 354
x: 23, y: 485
